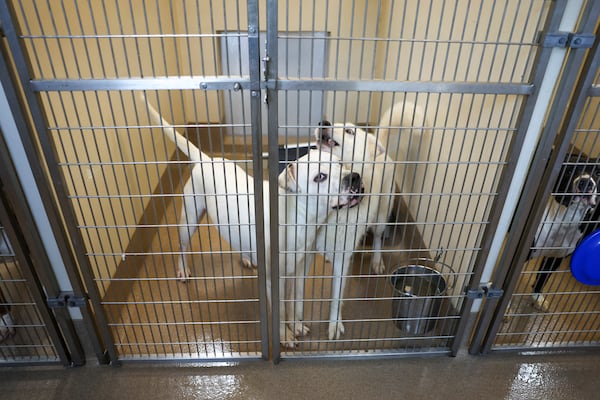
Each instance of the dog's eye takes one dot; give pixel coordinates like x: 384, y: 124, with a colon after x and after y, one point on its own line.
x: 320, y: 178
x: 350, y: 131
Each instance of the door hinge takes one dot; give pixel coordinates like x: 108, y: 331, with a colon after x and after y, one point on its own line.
x: 485, y: 290
x: 67, y: 299
x: 566, y: 39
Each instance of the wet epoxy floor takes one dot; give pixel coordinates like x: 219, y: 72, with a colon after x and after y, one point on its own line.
x: 497, y: 376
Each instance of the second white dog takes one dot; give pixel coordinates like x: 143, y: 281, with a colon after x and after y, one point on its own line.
x: 365, y: 153
x: 344, y: 231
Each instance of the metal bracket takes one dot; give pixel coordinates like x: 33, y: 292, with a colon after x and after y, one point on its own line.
x: 582, y: 40
x: 556, y: 39
x: 566, y: 39
x: 485, y: 290
x: 67, y: 299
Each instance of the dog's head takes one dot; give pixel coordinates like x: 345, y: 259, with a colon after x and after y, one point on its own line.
x: 576, y: 164
x: 348, y: 142
x: 322, y: 177
x: 584, y: 189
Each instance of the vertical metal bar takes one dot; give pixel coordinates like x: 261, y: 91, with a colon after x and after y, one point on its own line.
x: 73, y: 236
x: 259, y: 201
x: 273, y: 163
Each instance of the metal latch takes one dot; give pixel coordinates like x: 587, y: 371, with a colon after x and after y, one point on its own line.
x: 485, y: 290
x: 566, y: 39
x: 67, y: 299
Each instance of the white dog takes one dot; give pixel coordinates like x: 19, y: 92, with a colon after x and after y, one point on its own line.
x: 222, y: 189
x: 344, y: 231
x: 365, y: 153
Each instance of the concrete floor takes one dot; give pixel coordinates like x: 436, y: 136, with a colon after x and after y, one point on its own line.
x: 497, y: 376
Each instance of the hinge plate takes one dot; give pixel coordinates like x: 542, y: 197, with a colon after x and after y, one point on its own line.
x: 67, y: 299
x: 582, y: 40
x: 485, y: 290
x: 475, y: 293
x: 556, y: 39
x: 566, y: 39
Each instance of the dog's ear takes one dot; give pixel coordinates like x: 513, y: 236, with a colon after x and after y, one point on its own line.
x: 287, y: 179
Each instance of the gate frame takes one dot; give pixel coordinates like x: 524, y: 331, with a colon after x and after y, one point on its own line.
x: 273, y: 84
x: 70, y: 238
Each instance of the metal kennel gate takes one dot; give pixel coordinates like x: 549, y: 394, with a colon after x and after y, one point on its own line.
x: 221, y: 73
x: 29, y: 330
x: 546, y: 308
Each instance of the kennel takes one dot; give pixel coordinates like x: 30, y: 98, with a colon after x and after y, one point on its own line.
x: 567, y: 314
x: 248, y: 81
x: 29, y: 332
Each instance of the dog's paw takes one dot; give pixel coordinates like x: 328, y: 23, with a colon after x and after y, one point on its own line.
x: 183, y: 275
x: 288, y: 339
x: 299, y: 329
x: 336, y: 330
x: 378, y: 267
x: 245, y: 263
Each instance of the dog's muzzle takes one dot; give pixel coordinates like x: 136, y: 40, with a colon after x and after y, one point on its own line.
x: 323, y: 134
x: 352, y: 184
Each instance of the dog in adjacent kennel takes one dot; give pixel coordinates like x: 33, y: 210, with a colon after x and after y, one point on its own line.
x: 364, y: 152
x: 310, y: 189
x: 565, y: 221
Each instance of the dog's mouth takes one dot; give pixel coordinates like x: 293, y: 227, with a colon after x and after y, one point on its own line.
x: 355, y: 189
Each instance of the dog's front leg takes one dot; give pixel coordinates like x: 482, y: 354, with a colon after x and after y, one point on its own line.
x: 341, y: 265
x: 303, y: 264
x: 377, y: 264
x: 286, y: 336
x: 379, y: 232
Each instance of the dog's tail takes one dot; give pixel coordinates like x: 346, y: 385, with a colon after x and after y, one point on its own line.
x: 182, y: 143
x: 403, y: 127
x: 406, y: 134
